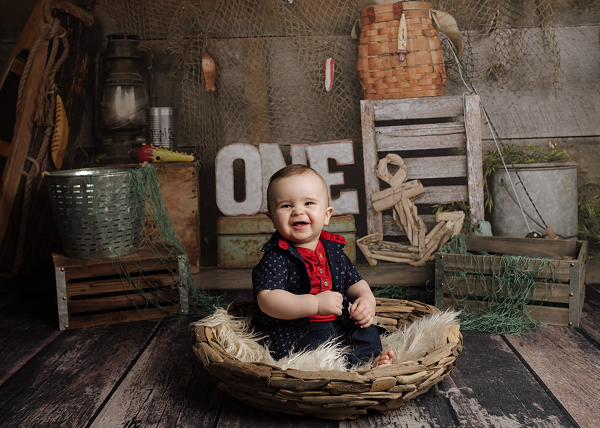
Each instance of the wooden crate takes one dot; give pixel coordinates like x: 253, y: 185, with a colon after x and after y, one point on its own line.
x: 178, y: 182
x: 179, y: 188
x: 558, y: 303
x: 439, y: 139
x: 92, y: 292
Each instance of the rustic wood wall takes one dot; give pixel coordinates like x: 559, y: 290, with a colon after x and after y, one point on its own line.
x: 567, y: 119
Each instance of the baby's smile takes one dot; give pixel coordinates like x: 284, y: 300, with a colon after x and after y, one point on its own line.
x: 299, y: 224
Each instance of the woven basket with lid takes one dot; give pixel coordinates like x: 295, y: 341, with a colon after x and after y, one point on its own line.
x: 334, y: 395
x: 382, y: 74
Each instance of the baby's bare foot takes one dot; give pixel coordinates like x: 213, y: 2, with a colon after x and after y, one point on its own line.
x: 384, y: 358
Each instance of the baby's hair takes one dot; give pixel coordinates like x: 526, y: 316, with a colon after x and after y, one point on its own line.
x: 290, y: 171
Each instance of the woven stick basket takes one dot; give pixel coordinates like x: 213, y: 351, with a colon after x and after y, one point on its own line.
x: 336, y: 395
x: 382, y: 74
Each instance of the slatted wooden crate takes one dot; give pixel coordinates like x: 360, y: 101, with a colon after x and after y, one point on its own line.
x: 92, y: 291
x: 557, y: 303
x: 439, y: 139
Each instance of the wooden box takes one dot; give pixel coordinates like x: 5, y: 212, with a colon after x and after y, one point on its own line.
x: 93, y: 292
x: 439, y: 139
x: 241, y: 238
x: 178, y: 182
x: 464, y: 280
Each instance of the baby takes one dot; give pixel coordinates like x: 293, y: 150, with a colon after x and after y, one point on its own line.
x: 304, y: 282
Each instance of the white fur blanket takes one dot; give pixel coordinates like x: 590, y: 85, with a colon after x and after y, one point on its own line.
x: 236, y: 336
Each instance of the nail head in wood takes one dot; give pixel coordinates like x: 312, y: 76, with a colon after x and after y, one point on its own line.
x: 572, y: 264
x: 570, y: 294
x: 62, y: 269
x: 64, y: 297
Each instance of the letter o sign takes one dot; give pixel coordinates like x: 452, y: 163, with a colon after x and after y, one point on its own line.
x: 253, y: 180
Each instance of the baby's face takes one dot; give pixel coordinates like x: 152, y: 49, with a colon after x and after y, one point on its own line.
x: 299, y: 208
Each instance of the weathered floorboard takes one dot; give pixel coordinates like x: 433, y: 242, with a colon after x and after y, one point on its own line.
x: 496, y: 390
x: 66, y: 382
x: 235, y: 414
x: 427, y: 410
x: 165, y: 387
x: 23, y: 335
x: 568, y: 364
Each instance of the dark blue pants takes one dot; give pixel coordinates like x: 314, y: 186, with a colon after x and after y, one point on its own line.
x: 363, y: 343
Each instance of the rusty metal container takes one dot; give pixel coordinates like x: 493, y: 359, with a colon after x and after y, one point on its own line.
x: 241, y: 238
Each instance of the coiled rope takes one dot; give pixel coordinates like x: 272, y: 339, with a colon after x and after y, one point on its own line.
x: 53, y: 32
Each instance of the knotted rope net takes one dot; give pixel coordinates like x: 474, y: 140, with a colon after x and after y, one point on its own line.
x: 270, y: 57
x: 157, y: 235
x: 516, y: 283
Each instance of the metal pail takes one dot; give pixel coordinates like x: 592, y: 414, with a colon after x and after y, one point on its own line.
x: 553, y: 189
x: 96, y: 209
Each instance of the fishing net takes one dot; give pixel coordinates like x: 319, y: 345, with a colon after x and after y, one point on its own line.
x: 519, y: 282
x: 158, y: 236
x: 270, y: 56
x: 507, y: 42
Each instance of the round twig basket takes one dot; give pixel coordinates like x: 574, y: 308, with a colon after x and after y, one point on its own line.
x: 332, y: 394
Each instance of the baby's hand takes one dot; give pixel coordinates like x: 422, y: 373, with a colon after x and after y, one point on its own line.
x: 362, y: 312
x: 330, y: 302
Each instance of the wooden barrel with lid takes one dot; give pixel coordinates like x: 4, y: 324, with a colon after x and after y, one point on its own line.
x: 382, y: 74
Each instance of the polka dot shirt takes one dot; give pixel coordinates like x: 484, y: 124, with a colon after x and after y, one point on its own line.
x: 282, y: 268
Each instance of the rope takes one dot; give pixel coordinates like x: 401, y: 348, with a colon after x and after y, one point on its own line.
x: 51, y: 30
x: 497, y: 139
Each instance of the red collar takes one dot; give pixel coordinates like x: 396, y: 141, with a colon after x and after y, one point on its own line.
x: 285, y: 244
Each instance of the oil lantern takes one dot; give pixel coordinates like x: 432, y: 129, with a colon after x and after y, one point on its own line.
x: 124, y: 89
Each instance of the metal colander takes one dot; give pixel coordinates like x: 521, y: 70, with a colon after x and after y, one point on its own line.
x: 95, y: 208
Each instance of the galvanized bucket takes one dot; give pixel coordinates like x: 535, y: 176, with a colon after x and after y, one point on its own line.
x: 553, y: 189
x: 97, y: 211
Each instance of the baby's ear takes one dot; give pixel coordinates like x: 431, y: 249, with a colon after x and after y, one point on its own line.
x: 328, y: 213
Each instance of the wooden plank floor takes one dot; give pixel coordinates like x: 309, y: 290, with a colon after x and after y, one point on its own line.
x: 144, y: 373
